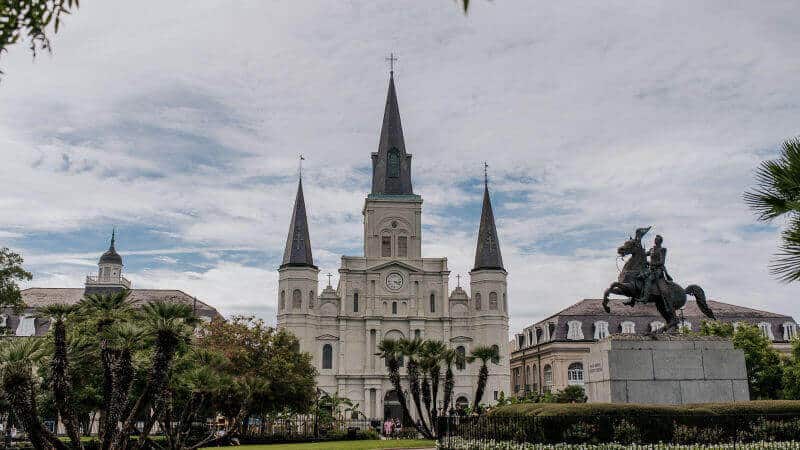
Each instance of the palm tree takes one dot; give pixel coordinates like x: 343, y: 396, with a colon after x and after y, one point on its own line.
x: 17, y: 360
x: 777, y: 194
x: 391, y: 351
x: 121, y: 340
x: 432, y: 353
x: 169, y: 325
x: 104, y: 310
x: 450, y: 356
x: 411, y: 349
x: 485, y: 354
x: 61, y: 381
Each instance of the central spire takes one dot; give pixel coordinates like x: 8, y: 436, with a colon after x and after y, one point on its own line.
x: 298, y: 242
x: 487, y: 253
x: 391, y: 165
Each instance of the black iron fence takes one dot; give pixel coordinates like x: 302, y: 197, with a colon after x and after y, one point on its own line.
x: 306, y: 428
x: 487, y: 432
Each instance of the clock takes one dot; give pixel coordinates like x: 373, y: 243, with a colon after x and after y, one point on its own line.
x: 394, y: 281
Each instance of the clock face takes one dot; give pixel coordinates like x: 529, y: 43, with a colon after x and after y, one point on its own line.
x: 394, y: 281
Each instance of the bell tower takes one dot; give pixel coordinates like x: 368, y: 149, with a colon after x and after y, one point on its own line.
x: 392, y: 212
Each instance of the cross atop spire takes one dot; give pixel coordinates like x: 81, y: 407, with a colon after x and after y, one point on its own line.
x: 300, y: 170
x: 486, y: 175
x: 329, y: 275
x: 391, y: 60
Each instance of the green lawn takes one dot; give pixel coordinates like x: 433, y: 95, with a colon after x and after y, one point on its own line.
x: 344, y: 445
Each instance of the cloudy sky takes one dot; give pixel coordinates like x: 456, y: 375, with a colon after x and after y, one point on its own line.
x: 182, y: 125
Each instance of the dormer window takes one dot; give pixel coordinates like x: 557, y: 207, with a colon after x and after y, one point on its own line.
x: 789, y: 331
x: 393, y: 163
x: 628, y: 327
x: 766, y: 330
x: 600, y: 329
x: 574, y: 330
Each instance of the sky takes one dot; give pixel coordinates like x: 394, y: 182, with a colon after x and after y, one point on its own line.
x: 182, y: 127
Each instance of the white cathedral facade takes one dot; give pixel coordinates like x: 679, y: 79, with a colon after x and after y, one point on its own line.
x: 392, y: 291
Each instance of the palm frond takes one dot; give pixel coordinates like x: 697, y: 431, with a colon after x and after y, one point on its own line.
x: 786, y: 264
x: 777, y: 190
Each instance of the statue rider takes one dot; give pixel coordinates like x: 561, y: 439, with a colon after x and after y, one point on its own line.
x: 656, y: 270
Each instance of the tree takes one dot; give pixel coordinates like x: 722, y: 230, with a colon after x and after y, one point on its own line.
x: 777, y: 194
x: 411, y: 348
x: 61, y: 380
x: 11, y: 272
x: 17, y: 360
x: 485, y: 354
x: 791, y: 373
x: 450, y: 357
x: 764, y: 366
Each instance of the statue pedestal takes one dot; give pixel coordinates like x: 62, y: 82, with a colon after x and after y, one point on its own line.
x: 668, y: 369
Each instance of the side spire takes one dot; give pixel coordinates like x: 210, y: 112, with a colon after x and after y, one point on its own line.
x: 298, y: 242
x: 391, y: 165
x: 487, y: 253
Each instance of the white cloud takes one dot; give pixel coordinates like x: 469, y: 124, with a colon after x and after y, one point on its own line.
x: 595, y: 119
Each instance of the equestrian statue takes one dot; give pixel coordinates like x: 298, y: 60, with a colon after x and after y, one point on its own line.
x: 644, y: 281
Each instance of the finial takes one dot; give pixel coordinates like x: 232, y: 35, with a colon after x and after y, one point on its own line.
x: 113, y: 235
x: 391, y: 60
x: 485, y: 175
x: 329, y: 275
x: 300, y: 170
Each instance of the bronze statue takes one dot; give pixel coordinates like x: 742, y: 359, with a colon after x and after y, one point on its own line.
x: 649, y: 282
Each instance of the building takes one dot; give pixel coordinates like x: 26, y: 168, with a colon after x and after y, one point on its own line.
x: 552, y: 354
x: 392, y: 291
x: 109, y: 278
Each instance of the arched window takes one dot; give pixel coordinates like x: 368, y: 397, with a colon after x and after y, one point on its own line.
x: 386, y: 246
x: 310, y: 299
x: 496, y: 348
x: 433, y: 303
x: 282, y: 302
x: 548, y: 376
x: 327, y: 356
x: 417, y: 334
x: 355, y: 302
x: 394, y: 307
x: 505, y: 302
x: 393, y: 164
x: 402, y: 246
x: 478, y: 302
x: 521, y: 340
x: 575, y: 374
x: 462, y: 352
x: 493, y: 300
x: 462, y: 403
x: 297, y: 299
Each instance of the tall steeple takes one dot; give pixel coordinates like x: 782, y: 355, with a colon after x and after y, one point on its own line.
x: 391, y: 166
x: 487, y: 254
x: 298, y: 243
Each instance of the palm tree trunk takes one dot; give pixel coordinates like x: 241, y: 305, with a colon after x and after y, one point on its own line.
x: 62, y: 384
x: 21, y: 395
x: 483, y: 375
x: 394, y: 378
x: 426, y: 397
x: 108, y: 383
x: 434, y: 374
x: 120, y: 405
x: 449, y: 385
x: 413, y: 381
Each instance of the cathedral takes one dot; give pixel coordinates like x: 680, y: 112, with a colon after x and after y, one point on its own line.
x: 392, y: 291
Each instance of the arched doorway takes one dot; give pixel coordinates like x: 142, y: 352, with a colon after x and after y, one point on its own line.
x: 462, y: 403
x: 391, y: 406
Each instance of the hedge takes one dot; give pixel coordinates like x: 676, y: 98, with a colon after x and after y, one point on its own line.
x: 755, y: 407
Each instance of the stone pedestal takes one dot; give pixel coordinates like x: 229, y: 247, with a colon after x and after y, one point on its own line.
x: 670, y: 369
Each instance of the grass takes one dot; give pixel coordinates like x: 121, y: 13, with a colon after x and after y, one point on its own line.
x: 343, y: 445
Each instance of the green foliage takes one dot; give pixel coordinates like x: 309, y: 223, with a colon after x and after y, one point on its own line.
x: 764, y: 365
x: 30, y: 20
x: 637, y: 410
x: 791, y: 373
x: 11, y: 272
x: 777, y: 194
x: 571, y: 394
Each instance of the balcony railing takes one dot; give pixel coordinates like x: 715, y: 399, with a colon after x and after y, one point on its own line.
x: 116, y: 281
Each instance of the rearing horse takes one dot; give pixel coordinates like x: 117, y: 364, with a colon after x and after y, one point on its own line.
x: 630, y: 283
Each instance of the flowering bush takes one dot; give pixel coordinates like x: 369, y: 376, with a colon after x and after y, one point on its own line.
x: 468, y: 444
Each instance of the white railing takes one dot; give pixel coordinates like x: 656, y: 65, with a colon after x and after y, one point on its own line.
x: 95, y: 280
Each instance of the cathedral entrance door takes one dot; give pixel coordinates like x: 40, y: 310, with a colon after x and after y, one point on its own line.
x: 391, y: 406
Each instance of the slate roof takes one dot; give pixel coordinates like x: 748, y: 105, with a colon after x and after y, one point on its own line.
x: 298, y: 242
x: 384, y: 183
x: 487, y: 253
x: 589, y: 311
x: 36, y: 297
